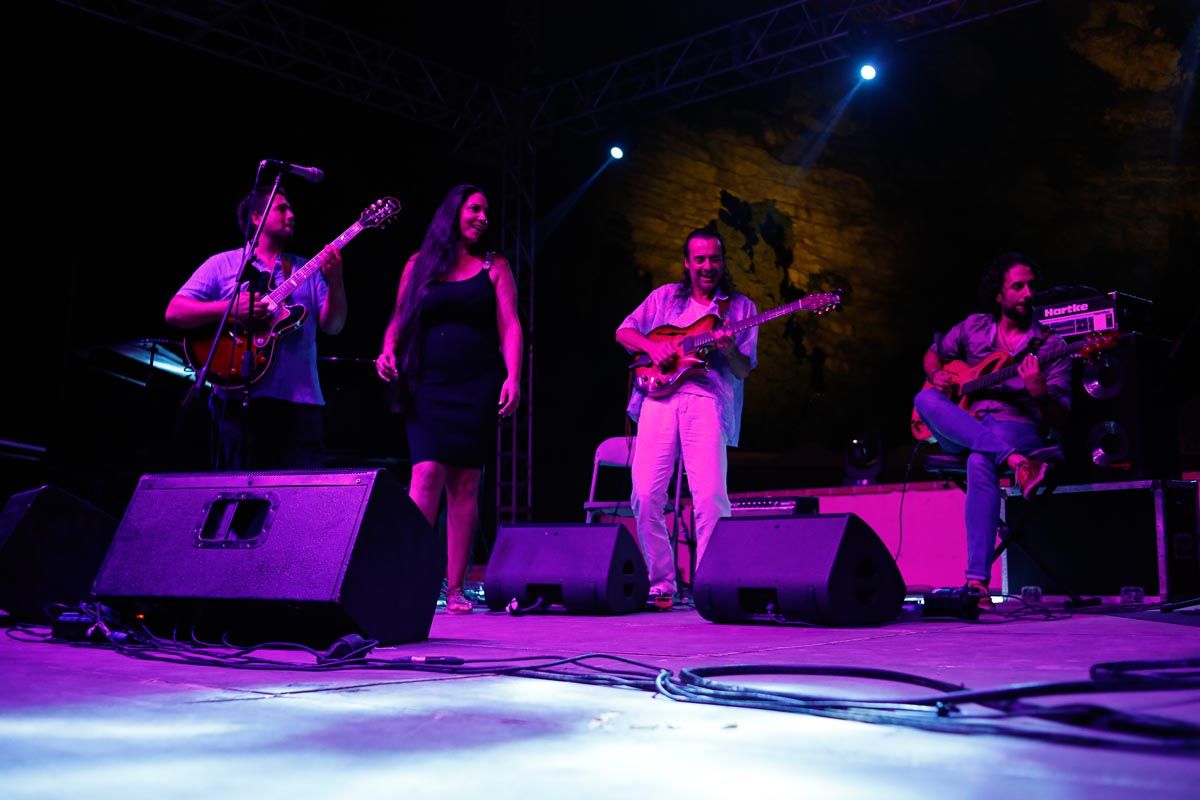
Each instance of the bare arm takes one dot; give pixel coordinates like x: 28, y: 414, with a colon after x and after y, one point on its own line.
x: 385, y: 364
x: 935, y: 371
x: 508, y: 325
x: 659, y: 352
x: 188, y: 313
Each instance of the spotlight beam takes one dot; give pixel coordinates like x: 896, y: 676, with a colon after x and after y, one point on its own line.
x: 555, y: 217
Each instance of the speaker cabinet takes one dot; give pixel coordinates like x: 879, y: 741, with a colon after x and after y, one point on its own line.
x: 826, y: 569
x: 586, y: 569
x: 51, y: 546
x: 1124, y: 422
x: 1096, y: 538
x: 288, y: 556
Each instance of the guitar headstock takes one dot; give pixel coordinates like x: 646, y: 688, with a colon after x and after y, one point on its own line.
x: 380, y: 213
x: 1095, y: 342
x: 822, y: 302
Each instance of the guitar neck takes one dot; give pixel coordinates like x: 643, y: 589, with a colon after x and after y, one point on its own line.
x: 705, y: 339
x: 299, y: 276
x: 1001, y: 375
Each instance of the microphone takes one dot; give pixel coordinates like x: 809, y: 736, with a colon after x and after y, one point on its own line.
x: 311, y: 174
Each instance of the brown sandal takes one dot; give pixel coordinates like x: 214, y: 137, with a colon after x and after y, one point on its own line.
x: 979, y: 589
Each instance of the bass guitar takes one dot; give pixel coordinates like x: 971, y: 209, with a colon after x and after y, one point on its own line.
x: 998, y: 367
x: 245, y: 349
x: 696, y: 343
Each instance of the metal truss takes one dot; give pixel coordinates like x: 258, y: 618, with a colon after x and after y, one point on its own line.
x: 518, y: 238
x: 792, y: 38
x: 277, y: 38
x: 298, y: 46
x: 292, y: 44
x: 518, y: 232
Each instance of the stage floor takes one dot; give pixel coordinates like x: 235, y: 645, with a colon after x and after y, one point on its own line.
x: 78, y: 722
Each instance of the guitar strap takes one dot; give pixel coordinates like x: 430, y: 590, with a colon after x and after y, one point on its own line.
x: 723, y: 308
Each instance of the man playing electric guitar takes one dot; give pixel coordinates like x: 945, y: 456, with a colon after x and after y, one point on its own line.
x: 1007, y: 421
x: 701, y: 417
x: 282, y: 424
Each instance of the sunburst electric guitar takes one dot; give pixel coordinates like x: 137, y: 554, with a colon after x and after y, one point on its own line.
x: 696, y: 343
x: 245, y: 351
x: 998, y: 367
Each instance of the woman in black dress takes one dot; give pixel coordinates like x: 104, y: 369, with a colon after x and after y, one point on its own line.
x: 455, y: 342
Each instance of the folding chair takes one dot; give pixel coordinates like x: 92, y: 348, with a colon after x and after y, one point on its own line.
x: 617, y: 453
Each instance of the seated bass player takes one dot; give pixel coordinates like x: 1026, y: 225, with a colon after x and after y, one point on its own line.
x: 1003, y: 423
x: 281, y: 424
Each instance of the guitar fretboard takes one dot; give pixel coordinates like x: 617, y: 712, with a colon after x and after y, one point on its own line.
x: 299, y: 276
x: 807, y: 303
x: 1003, y: 374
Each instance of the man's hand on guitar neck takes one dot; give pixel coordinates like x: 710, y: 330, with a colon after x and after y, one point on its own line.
x: 331, y: 264
x: 726, y: 342
x: 1031, y: 373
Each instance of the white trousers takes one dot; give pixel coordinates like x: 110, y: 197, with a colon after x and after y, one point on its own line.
x: 668, y: 425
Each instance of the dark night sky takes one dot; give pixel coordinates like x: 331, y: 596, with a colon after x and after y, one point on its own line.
x: 136, y: 151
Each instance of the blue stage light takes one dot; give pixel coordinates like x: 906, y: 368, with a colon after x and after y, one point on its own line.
x: 617, y: 153
x: 868, y: 72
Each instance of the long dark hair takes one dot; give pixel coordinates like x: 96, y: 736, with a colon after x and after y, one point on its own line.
x: 725, y: 285
x: 436, y: 258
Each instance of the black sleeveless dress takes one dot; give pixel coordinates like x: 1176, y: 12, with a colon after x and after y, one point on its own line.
x: 454, y: 411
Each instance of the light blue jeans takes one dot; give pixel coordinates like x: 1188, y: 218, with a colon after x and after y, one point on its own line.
x: 988, y: 443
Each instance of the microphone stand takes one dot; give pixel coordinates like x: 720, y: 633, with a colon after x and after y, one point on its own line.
x: 248, y: 251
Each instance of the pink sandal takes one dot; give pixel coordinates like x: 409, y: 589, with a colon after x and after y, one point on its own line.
x: 457, y: 602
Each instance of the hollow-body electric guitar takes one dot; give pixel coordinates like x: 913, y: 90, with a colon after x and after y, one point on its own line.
x: 245, y: 350
x: 696, y: 343
x: 998, y: 367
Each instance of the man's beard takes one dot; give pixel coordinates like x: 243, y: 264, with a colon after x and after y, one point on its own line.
x: 1018, y: 315
x: 280, y: 238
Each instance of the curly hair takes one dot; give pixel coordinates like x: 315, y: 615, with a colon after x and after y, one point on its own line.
x: 725, y: 285
x: 993, y: 278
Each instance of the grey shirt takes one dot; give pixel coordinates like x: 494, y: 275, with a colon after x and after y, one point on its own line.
x: 976, y: 337
x: 293, y: 376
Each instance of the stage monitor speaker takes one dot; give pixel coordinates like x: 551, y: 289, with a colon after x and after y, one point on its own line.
x: 586, y: 569
x: 289, y: 556
x: 51, y: 547
x: 826, y: 569
x: 1124, y: 422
